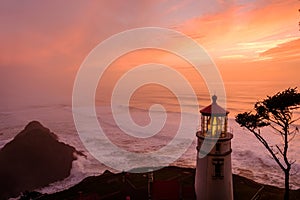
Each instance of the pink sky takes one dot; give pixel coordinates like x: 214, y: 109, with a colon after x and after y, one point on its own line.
x: 43, y: 43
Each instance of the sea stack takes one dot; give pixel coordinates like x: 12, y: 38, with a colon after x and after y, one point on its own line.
x: 33, y: 159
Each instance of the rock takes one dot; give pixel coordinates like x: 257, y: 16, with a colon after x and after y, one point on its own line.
x: 33, y: 159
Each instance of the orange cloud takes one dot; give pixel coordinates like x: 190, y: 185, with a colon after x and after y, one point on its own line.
x: 286, y: 51
x: 245, y: 29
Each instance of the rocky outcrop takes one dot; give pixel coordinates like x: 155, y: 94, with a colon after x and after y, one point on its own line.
x: 33, y: 159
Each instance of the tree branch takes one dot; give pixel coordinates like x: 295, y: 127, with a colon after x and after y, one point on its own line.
x: 292, y: 121
x: 276, y: 129
x: 279, y: 150
x: 265, y: 143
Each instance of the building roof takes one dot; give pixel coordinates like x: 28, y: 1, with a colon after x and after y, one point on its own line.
x: 214, y: 108
x: 166, y: 189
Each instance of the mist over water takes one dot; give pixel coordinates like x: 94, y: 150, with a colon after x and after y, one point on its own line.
x: 249, y: 158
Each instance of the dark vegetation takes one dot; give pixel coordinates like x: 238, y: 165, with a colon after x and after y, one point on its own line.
x: 275, y: 112
x: 109, y: 186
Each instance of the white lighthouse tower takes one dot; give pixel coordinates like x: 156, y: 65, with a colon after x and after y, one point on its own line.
x: 213, y: 179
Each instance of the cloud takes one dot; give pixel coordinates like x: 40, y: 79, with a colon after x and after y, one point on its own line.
x: 51, y: 33
x: 44, y: 43
x: 244, y: 28
x: 285, y: 51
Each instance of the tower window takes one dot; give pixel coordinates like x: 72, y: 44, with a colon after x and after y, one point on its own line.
x: 218, y: 148
x: 218, y: 168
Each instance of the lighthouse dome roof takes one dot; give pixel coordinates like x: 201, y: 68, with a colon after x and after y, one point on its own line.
x: 214, y: 108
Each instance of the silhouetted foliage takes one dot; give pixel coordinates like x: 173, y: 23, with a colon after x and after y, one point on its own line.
x: 275, y: 112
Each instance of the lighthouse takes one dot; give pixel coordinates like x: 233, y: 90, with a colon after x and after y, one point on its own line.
x: 213, y: 179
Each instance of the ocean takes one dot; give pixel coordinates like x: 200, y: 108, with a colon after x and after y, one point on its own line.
x: 249, y: 157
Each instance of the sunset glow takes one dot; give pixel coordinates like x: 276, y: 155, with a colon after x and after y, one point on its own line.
x: 46, y: 42
x: 151, y: 90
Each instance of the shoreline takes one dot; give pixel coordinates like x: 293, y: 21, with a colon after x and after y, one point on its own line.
x: 119, y: 185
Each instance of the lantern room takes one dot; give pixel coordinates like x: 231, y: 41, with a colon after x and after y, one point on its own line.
x: 214, y: 120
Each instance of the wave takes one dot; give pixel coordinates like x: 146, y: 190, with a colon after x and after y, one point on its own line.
x: 249, y: 158
x: 189, y: 108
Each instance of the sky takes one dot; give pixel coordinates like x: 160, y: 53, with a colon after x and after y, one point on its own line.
x: 43, y: 43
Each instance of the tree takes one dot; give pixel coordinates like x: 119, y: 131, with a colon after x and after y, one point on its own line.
x: 275, y: 112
